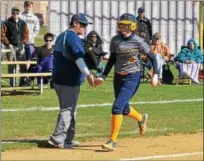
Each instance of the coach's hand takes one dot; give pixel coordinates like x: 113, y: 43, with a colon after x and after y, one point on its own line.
x: 90, y: 79
x: 98, y: 81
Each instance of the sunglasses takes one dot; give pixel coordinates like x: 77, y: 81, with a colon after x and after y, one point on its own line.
x: 15, y: 13
x: 48, y: 40
x: 83, y: 25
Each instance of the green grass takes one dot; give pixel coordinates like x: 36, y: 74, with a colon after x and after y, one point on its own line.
x: 176, y: 117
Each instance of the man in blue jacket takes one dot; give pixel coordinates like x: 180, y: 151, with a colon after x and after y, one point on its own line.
x: 69, y: 71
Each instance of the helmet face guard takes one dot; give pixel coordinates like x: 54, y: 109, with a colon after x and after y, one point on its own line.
x: 129, y: 20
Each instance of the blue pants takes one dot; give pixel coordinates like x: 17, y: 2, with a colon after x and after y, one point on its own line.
x: 28, y: 51
x: 46, y: 65
x: 124, y: 88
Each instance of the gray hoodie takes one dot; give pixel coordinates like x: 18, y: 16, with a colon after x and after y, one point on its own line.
x: 33, y: 24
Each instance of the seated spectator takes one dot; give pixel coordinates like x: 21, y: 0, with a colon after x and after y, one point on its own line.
x: 189, y: 60
x: 94, y: 52
x: 44, y: 57
x: 162, y: 55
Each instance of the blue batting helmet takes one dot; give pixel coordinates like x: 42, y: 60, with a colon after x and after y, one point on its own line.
x: 128, y: 19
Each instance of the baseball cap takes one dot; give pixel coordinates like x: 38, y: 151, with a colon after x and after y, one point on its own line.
x: 141, y: 10
x: 156, y: 36
x: 15, y: 8
x: 81, y: 18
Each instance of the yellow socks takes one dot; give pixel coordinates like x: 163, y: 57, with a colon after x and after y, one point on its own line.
x: 134, y: 114
x: 115, y: 126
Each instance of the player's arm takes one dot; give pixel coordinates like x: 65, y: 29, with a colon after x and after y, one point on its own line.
x: 146, y: 48
x: 109, y: 65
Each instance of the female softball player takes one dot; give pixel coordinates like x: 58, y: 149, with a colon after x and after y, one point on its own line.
x: 125, y: 51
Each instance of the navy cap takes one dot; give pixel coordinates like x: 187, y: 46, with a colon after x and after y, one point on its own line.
x: 80, y: 18
x: 141, y: 10
x: 15, y: 8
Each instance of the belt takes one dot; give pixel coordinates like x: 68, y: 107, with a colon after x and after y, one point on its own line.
x: 125, y: 73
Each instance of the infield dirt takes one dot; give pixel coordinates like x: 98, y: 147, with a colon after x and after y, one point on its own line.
x: 127, y: 148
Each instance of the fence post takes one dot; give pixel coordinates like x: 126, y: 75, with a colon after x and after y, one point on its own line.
x: 201, y: 24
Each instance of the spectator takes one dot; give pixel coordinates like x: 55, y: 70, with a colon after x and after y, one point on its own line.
x: 189, y: 59
x: 33, y: 24
x: 44, y: 57
x: 144, y: 27
x: 190, y: 54
x: 162, y: 55
x: 94, y: 52
x: 14, y: 35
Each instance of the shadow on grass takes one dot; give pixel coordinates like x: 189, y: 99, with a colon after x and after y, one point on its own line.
x: 33, y: 92
x: 45, y: 145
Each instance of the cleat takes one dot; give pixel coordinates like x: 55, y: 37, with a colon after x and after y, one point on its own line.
x: 143, y: 124
x: 109, y: 145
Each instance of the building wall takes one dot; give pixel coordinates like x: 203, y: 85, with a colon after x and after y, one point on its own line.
x: 38, y: 7
x: 177, y: 21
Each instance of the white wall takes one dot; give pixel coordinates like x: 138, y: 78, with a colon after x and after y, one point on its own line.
x: 177, y: 21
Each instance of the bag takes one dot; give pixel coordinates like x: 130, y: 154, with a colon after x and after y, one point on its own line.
x: 167, y: 75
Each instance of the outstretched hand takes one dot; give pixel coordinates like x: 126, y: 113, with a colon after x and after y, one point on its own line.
x: 98, y: 81
x: 155, y: 80
x: 91, y: 79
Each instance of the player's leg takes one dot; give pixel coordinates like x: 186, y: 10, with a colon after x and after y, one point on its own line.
x: 124, y: 87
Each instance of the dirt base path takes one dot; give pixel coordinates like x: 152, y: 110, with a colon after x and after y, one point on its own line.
x: 175, y: 147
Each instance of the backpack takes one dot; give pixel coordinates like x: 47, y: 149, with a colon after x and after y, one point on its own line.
x: 167, y: 75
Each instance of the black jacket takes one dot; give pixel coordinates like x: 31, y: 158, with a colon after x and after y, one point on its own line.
x: 94, y: 52
x: 144, y: 26
x: 15, y: 33
x: 42, y: 52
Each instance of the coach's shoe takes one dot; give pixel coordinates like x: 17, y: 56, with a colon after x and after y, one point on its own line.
x: 54, y: 143
x: 70, y: 144
x: 109, y: 145
x: 143, y: 124
x: 65, y: 145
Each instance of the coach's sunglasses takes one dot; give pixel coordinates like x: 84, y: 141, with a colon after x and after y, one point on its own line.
x: 15, y: 13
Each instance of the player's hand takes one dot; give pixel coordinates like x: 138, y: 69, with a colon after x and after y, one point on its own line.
x: 98, y: 81
x: 155, y: 80
x: 90, y: 79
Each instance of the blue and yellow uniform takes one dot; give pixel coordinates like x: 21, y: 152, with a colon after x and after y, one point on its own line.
x: 125, y: 57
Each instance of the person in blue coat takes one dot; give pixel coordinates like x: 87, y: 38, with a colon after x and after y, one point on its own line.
x: 69, y: 71
x: 190, y: 54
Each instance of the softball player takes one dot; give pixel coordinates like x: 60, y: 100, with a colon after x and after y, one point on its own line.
x: 125, y: 51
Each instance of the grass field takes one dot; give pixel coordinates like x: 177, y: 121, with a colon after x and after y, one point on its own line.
x: 94, y: 122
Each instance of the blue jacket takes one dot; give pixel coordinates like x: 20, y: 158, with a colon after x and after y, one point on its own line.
x: 188, y: 54
x: 66, y: 52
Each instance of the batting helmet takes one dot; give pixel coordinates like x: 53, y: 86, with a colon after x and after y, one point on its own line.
x: 128, y: 19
